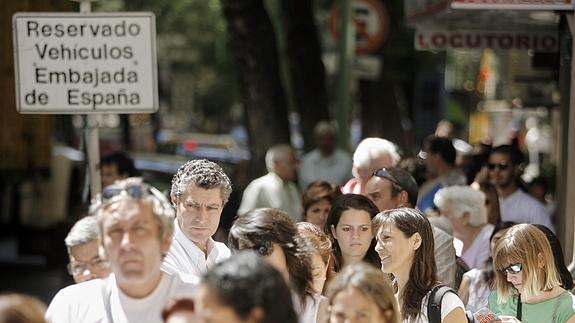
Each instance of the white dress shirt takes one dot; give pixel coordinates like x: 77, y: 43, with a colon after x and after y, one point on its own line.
x: 185, y: 258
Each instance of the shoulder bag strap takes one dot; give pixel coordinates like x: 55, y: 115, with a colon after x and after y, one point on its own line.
x: 434, y: 303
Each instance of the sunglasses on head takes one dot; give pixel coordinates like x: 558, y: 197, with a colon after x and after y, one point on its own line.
x: 261, y: 249
x: 500, y: 166
x: 384, y: 173
x: 135, y: 191
x: 512, y: 269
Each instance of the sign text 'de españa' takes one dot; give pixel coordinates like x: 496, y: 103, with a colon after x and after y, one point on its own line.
x: 71, y: 63
x: 522, y: 40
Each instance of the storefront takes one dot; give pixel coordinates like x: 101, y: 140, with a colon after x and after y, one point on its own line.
x: 520, y: 55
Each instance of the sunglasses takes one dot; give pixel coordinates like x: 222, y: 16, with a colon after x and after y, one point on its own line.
x: 512, y: 269
x: 263, y: 249
x: 135, y: 191
x: 384, y: 173
x: 500, y: 166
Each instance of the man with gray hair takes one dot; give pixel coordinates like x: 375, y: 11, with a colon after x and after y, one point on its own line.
x: 326, y: 162
x: 200, y: 189
x: 276, y: 189
x: 370, y: 154
x: 135, y: 223
x: 82, y: 243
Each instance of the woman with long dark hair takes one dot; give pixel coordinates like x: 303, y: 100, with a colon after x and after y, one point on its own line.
x: 349, y: 225
x: 405, y: 247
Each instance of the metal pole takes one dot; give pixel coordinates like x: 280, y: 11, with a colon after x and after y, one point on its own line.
x: 346, y: 51
x: 92, y: 134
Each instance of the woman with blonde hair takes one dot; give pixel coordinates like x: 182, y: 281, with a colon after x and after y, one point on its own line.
x: 360, y: 290
x: 527, y: 283
x: 405, y: 247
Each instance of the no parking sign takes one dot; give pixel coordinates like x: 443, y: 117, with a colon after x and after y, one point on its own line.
x: 370, y: 21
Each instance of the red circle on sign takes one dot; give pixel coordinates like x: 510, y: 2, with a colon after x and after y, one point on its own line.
x: 370, y: 21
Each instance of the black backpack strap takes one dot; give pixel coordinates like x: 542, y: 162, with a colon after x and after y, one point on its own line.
x: 434, y: 303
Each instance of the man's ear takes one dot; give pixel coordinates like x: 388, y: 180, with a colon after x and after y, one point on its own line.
x: 465, y: 217
x: 174, y: 199
x: 403, y: 198
x: 166, y: 243
x: 416, y: 241
x: 101, y: 251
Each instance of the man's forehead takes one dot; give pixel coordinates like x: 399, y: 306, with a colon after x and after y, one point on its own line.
x: 195, y: 193
x: 500, y: 157
x: 127, y: 208
x: 376, y: 184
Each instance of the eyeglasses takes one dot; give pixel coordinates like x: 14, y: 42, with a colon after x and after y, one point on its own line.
x: 384, y: 173
x: 77, y: 268
x: 500, y: 166
x: 512, y: 269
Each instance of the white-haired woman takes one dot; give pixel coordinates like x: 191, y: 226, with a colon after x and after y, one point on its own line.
x: 464, y: 207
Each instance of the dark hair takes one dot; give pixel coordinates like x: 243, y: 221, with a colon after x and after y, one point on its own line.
x: 488, y: 272
x: 564, y: 273
x: 124, y: 163
x: 403, y: 182
x: 245, y: 282
x: 340, y: 205
x: 423, y: 272
x: 201, y: 173
x: 182, y: 304
x: 514, y: 154
x: 443, y: 147
x: 259, y: 228
x: 490, y: 191
x: 317, y: 191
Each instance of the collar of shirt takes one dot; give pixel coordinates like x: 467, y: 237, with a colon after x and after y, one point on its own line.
x: 197, y: 256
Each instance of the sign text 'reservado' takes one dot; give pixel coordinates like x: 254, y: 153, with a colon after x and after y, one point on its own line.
x: 85, y: 63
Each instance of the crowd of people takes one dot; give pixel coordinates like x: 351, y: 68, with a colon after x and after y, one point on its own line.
x: 368, y: 242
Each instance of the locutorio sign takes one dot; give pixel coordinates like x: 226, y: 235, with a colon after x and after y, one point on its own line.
x: 71, y: 63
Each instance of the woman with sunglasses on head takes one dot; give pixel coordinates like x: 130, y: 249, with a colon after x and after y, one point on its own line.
x: 405, y: 247
x: 273, y: 235
x: 349, y: 226
x: 527, y: 283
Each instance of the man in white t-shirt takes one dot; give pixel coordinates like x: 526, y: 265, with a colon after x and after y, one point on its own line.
x: 516, y: 205
x: 135, y: 222
x: 390, y: 188
x: 200, y: 189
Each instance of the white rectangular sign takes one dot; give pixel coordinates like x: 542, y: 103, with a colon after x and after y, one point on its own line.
x: 72, y: 63
x: 513, y: 4
x: 465, y: 39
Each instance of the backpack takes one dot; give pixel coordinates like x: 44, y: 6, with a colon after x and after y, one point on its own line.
x: 434, y: 304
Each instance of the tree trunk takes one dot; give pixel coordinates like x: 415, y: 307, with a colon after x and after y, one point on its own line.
x: 306, y: 71
x: 379, y: 110
x: 253, y: 44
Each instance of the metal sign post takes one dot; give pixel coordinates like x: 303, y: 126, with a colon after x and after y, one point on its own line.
x: 92, y: 133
